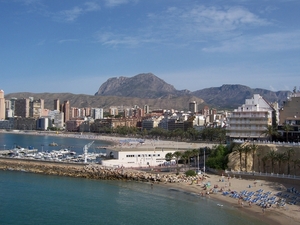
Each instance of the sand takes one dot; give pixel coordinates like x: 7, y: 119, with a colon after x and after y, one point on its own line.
x: 287, y: 215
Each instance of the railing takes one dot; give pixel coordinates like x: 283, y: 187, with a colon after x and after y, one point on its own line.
x: 268, y: 142
x: 263, y: 174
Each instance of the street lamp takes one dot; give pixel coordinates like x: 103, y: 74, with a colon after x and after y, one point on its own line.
x: 204, y: 161
x: 42, y: 148
x: 198, y: 160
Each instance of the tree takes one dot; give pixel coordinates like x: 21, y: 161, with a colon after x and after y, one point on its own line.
x: 264, y: 161
x: 289, y: 153
x: 188, y: 154
x: 195, y: 154
x: 253, y: 149
x: 273, y: 157
x: 296, y: 162
x: 287, y: 128
x: 280, y: 157
x: 218, y: 157
x: 247, y: 149
x: 258, y: 161
x: 221, y: 135
x: 269, y: 132
x: 177, y: 156
x: 169, y: 156
x: 239, y: 149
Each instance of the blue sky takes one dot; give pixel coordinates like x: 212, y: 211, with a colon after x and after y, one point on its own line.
x: 76, y: 45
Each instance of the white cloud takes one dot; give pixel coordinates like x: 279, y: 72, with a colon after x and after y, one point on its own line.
x: 113, y: 3
x: 67, y: 40
x: 71, y: 15
x: 280, y: 41
x: 202, y: 21
x: 111, y: 39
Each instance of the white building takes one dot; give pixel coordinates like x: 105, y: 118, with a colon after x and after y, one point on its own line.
x: 57, y: 117
x: 251, y: 119
x: 97, y: 113
x: 135, y: 157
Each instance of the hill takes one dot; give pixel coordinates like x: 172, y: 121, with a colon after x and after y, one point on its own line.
x: 231, y: 96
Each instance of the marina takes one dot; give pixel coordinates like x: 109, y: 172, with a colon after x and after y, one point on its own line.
x: 62, y: 155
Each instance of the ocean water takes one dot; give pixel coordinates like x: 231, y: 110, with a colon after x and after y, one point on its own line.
x: 27, y: 198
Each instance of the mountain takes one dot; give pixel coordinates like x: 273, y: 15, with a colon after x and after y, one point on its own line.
x: 231, y: 96
x: 148, y: 89
x: 145, y: 85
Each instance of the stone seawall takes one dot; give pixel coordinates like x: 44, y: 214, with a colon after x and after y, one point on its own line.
x: 90, y: 171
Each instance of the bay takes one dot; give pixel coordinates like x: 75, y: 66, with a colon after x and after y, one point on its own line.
x: 42, y: 199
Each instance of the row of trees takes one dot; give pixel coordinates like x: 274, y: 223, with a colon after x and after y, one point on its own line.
x: 272, y: 157
x: 185, y: 157
x: 212, y: 134
x: 272, y: 132
x: 207, y: 134
x: 218, y: 158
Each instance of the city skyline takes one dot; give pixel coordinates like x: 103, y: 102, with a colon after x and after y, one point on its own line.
x: 75, y: 46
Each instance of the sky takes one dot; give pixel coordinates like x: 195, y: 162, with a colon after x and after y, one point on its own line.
x: 76, y: 45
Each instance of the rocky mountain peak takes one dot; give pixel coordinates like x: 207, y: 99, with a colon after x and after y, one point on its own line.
x: 144, y: 85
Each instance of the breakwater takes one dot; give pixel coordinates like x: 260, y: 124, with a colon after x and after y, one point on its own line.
x: 89, y: 171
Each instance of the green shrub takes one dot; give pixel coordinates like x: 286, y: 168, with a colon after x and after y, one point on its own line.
x: 190, y: 173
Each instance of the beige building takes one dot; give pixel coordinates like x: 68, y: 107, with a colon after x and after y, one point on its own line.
x: 290, y: 108
x: 290, y: 114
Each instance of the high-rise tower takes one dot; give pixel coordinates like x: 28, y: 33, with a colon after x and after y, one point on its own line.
x: 2, y: 105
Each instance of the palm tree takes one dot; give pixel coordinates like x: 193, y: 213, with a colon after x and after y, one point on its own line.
x: 184, y: 157
x: 289, y: 153
x: 247, y: 149
x: 253, y: 149
x: 269, y: 132
x: 188, y: 154
x: 169, y: 156
x: 273, y: 157
x: 195, y: 154
x: 258, y: 161
x: 264, y: 161
x: 177, y: 156
x: 287, y: 128
x: 296, y: 162
x: 239, y: 149
x: 280, y: 157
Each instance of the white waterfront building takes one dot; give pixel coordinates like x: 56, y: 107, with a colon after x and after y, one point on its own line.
x: 146, y: 153
x: 135, y: 157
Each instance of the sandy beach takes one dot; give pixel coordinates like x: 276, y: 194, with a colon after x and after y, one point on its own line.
x: 286, y: 214
x: 234, y: 191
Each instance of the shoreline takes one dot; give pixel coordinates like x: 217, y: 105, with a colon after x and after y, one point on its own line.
x: 279, y: 216
x: 287, y: 216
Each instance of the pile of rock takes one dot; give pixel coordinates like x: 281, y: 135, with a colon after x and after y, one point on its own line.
x: 90, y: 171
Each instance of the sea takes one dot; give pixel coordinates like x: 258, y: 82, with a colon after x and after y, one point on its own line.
x: 29, y: 199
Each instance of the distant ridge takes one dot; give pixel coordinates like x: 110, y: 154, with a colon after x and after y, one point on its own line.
x: 233, y: 95
x: 148, y: 89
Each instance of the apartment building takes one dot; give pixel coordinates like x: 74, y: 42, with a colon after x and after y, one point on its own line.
x: 251, y: 119
x: 2, y: 105
x: 289, y: 114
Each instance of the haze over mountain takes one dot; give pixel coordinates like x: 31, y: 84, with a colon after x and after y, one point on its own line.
x: 146, y: 88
